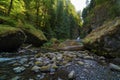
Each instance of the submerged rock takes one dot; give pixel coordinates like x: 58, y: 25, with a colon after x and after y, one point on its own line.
x: 105, y: 40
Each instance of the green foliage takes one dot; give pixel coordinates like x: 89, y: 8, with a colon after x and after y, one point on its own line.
x: 7, y: 21
x: 56, y: 18
x: 99, y: 11
x: 114, y: 11
x: 6, y: 29
x: 100, y: 1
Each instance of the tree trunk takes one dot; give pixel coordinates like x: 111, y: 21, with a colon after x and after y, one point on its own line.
x: 10, y: 7
x: 37, y: 13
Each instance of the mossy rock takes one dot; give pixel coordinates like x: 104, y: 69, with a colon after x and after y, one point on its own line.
x: 10, y: 38
x: 105, y: 40
x: 34, y: 36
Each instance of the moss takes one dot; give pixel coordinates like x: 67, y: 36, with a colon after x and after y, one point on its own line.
x: 104, y: 30
x: 34, y: 36
x: 32, y: 30
x: 98, y: 40
x: 6, y: 29
x: 38, y: 33
x: 7, y: 21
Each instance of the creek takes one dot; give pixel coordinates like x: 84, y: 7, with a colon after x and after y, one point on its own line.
x: 57, y: 66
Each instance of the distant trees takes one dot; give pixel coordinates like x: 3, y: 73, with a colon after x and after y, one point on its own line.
x: 56, y: 18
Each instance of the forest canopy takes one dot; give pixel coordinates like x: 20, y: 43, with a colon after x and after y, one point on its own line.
x: 56, y: 18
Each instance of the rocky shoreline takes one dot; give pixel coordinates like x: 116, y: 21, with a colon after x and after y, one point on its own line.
x: 62, y: 65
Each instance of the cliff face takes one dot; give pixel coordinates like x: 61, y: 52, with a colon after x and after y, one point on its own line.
x: 105, y: 40
x: 99, y: 12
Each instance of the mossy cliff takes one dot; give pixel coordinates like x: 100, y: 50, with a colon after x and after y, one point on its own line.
x: 99, y: 12
x: 105, y: 40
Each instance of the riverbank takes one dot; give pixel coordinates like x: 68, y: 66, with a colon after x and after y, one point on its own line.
x: 58, y: 66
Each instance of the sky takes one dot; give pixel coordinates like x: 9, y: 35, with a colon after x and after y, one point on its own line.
x: 79, y: 4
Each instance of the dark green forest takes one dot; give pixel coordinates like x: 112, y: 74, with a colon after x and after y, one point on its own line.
x: 56, y: 18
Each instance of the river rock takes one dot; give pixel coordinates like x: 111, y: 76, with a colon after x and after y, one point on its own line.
x: 38, y: 55
x: 41, y: 76
x: 23, y: 60
x: 35, y: 68
x: 38, y: 63
x: 54, y: 66
x: 19, y: 69
x: 80, y: 63
x: 45, y: 68
x: 16, y: 78
x: 59, y: 78
x: 31, y: 79
x: 105, y: 40
x: 71, y: 75
x: 114, y: 67
x: 31, y: 63
x: 88, y: 57
x: 10, y: 38
x: 16, y: 64
x: 26, y: 65
x: 59, y: 57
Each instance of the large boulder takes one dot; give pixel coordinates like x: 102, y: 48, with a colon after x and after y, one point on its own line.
x: 34, y: 36
x: 10, y: 38
x: 105, y: 40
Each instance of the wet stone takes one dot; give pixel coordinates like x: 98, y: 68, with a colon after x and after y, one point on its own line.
x: 114, y: 67
x: 64, y: 65
x: 19, y: 69
x: 23, y: 60
x: 35, y: 68
x: 71, y: 75
x: 80, y: 63
x: 16, y: 78
x: 45, y: 68
x: 88, y: 57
